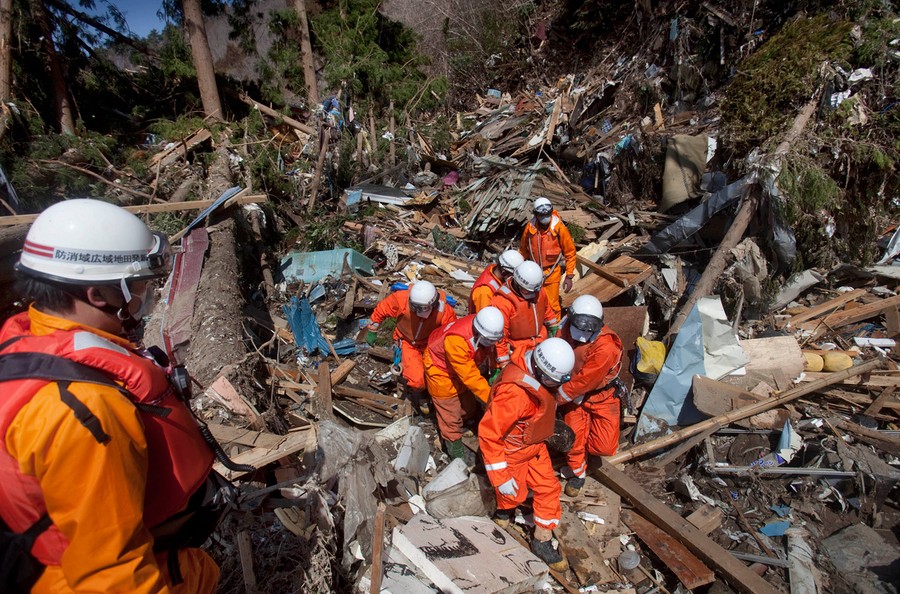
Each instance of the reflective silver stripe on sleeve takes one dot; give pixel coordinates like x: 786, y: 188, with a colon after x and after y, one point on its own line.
x: 497, y: 466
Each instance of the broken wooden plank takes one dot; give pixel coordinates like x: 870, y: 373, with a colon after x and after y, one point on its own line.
x: 877, y: 404
x: 583, y: 552
x: 623, y: 267
x: 179, y: 149
x: 225, y: 434
x: 689, y: 570
x: 743, y: 413
x: 824, y: 308
x: 341, y: 372
x: 706, y: 518
x: 224, y: 393
x: 603, y: 272
x: 851, y: 316
x: 738, y: 575
x: 245, y: 551
x: 295, y: 441
x: 377, y: 548
x: 324, y: 390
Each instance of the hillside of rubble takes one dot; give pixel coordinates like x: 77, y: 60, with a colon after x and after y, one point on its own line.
x: 728, y: 171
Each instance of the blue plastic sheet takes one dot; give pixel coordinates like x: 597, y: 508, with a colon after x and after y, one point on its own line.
x: 775, y: 528
x: 310, y: 267
x: 307, y: 335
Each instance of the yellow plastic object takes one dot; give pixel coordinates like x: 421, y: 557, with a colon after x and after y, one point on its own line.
x: 814, y: 361
x: 652, y: 355
x: 837, y: 362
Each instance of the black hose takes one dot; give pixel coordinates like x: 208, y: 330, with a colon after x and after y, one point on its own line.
x: 219, y: 453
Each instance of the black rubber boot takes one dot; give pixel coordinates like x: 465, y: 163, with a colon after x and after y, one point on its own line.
x: 502, y: 517
x: 574, y: 486
x: 544, y: 550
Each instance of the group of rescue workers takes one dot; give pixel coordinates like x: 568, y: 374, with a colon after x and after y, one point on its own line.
x: 106, y: 480
x: 515, y: 357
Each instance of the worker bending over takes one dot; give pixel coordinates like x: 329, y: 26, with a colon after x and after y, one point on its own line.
x: 99, y: 452
x: 547, y: 241
x: 520, y: 415
x: 419, y: 310
x: 590, y: 401
x: 458, y: 359
x: 526, y: 311
x: 493, y: 277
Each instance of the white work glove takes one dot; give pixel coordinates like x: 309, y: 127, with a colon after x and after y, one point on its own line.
x: 509, y: 488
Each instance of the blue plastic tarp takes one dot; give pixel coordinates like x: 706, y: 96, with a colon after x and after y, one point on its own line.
x: 307, y: 334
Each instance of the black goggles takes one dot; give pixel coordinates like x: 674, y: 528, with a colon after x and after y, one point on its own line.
x: 586, y: 323
x: 161, y: 255
x: 543, y: 210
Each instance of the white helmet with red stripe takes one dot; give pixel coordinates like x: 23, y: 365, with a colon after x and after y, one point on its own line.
x: 91, y: 242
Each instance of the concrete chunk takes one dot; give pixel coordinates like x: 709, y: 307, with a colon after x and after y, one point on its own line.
x: 468, y: 555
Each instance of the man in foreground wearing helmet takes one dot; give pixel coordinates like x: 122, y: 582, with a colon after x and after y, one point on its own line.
x: 547, y: 241
x: 455, y: 359
x: 493, y: 277
x: 419, y: 310
x: 95, y: 467
x: 589, y: 401
x: 520, y: 416
x: 527, y: 313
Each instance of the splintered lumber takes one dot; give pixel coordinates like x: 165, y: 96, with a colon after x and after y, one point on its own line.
x: 179, y: 149
x: 226, y: 434
x: 341, y: 372
x: 878, y: 403
x: 223, y: 391
x: 245, y: 550
x: 324, y: 140
x: 707, y: 518
x: 689, y: 570
x: 302, y: 439
x: 153, y: 208
x: 626, y: 270
x: 823, y: 308
x: 851, y: 316
x: 738, y: 575
x: 744, y: 412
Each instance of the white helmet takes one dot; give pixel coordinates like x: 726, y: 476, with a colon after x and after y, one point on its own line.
x: 585, y: 318
x: 91, y: 242
x: 542, y: 206
x: 555, y: 359
x: 529, y: 276
x: 508, y: 261
x: 422, y: 296
x: 489, y: 323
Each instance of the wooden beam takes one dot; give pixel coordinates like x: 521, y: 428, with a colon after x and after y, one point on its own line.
x: 245, y: 551
x: 684, y: 447
x: 621, y: 282
x: 377, y: 548
x: 341, y: 372
x: 295, y: 441
x: 274, y: 114
x: 689, y: 570
x: 852, y: 316
x: 151, y: 208
x: 706, y: 518
x: 877, y: 404
x: 324, y: 390
x: 744, y: 412
x: 738, y: 575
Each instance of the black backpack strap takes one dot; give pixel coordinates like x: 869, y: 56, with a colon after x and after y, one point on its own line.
x: 83, y: 413
x: 6, y: 343
x: 37, y: 529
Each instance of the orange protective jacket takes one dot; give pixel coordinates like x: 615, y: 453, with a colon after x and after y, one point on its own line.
x: 452, y: 350
x: 520, y: 415
x: 596, y: 364
x: 103, y: 498
x: 410, y: 327
x: 551, y: 247
x: 525, y: 320
x: 484, y: 289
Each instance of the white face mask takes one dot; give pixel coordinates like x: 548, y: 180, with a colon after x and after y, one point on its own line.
x: 424, y: 313
x: 581, y: 335
x: 484, y: 342
x: 545, y: 220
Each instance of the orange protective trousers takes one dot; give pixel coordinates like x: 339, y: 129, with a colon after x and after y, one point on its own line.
x: 551, y: 286
x: 596, y: 428
x: 532, y: 469
x: 412, y: 368
x: 453, y: 402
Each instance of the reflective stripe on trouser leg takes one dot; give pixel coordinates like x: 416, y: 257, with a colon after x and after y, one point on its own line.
x: 576, y: 417
x: 545, y: 486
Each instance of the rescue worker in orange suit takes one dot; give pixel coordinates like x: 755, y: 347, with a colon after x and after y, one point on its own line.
x: 520, y: 416
x: 493, y: 277
x: 457, y: 360
x: 547, y: 241
x: 528, y: 315
x: 419, y: 310
x: 83, y: 463
x: 590, y: 401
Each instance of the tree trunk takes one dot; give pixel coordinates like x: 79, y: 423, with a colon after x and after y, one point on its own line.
x: 203, y: 63
x: 309, y: 69
x: 5, y: 52
x: 57, y: 79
